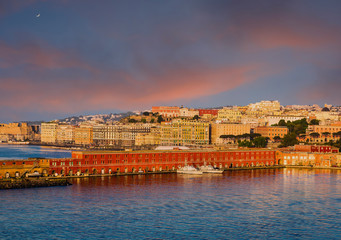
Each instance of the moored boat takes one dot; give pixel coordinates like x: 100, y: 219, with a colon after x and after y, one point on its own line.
x: 189, y: 170
x: 210, y: 169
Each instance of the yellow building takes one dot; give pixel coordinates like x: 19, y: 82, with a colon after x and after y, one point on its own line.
x: 49, y: 132
x: 15, y: 132
x: 84, y: 135
x: 65, y: 134
x: 227, y: 129
x: 185, y: 132
x: 229, y: 115
x: 151, y: 138
x: 264, y: 107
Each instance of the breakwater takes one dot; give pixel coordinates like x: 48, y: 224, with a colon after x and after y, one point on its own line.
x: 32, y: 183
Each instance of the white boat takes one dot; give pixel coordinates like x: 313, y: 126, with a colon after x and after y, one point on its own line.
x: 189, y: 170
x: 210, y: 169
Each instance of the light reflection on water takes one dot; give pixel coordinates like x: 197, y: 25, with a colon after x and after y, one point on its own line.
x: 257, y: 204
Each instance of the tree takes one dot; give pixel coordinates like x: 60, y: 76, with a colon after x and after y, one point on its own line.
x: 277, y: 138
x: 254, y: 135
x: 143, y: 120
x: 289, y: 140
x: 196, y: 117
x: 314, y: 135
x: 145, y: 113
x: 131, y: 120
x: 160, y: 119
x: 260, y: 142
x: 314, y: 122
x: 245, y: 143
x: 152, y: 120
x: 281, y: 123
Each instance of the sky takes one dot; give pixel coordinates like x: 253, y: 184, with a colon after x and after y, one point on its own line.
x: 62, y: 58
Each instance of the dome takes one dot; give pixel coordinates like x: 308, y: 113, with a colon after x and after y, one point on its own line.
x: 325, y: 109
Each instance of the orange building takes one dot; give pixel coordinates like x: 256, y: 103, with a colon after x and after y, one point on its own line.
x: 307, y: 159
x: 272, y: 131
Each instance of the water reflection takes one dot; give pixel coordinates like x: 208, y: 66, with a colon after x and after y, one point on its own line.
x: 259, y: 204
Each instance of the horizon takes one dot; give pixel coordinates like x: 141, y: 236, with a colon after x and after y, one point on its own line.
x: 71, y: 58
x: 141, y: 111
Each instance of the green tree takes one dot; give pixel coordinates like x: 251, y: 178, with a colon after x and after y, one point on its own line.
x: 196, y: 117
x: 289, y: 140
x: 281, y: 123
x: 131, y: 120
x: 260, y: 142
x: 314, y: 122
x: 277, y: 138
x: 160, y: 119
x: 245, y: 143
x: 143, y: 120
x: 152, y: 120
x: 145, y: 113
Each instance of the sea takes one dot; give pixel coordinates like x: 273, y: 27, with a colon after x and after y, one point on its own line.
x: 287, y: 203
x: 13, y: 151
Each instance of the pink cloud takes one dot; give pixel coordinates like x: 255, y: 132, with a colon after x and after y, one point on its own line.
x: 40, y: 55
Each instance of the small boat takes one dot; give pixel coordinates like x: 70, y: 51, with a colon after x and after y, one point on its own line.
x: 189, y: 170
x: 210, y: 169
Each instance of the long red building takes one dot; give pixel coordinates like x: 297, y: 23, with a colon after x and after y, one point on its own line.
x: 108, y: 162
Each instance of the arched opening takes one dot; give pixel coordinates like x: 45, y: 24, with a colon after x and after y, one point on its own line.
x: 86, y: 171
x: 53, y: 172
x: 231, y: 165
x: 247, y: 164
x: 147, y: 169
x: 173, y: 168
x: 94, y: 171
x: 102, y: 171
x: 153, y: 169
x: 62, y: 172
x: 133, y: 170
x: 7, y: 175
x: 70, y: 173
x: 45, y: 172
x: 125, y: 170
x: 109, y: 171
x: 160, y: 169
x: 17, y: 174
x: 78, y: 172
x: 166, y: 168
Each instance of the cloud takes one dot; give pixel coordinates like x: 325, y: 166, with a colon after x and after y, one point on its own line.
x: 39, y: 55
x: 128, y: 56
x: 124, y: 90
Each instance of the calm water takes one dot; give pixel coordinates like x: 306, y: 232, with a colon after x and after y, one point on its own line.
x: 257, y: 204
x: 26, y: 151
